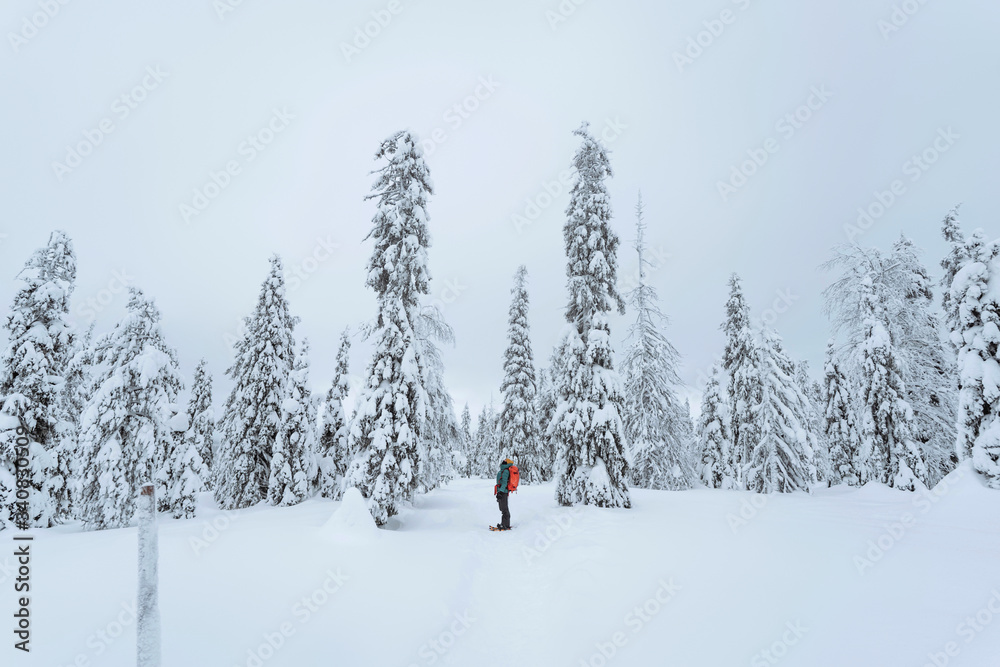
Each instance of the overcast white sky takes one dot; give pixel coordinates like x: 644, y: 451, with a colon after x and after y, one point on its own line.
x: 681, y: 131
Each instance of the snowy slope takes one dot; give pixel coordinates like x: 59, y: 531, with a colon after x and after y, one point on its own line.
x: 438, y: 588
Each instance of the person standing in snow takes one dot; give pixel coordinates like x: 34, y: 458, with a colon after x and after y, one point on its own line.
x: 503, y: 477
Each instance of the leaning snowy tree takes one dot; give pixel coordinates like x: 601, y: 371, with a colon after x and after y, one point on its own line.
x: 655, y: 421
x: 333, y: 439
x: 33, y: 369
x: 929, y: 366
x: 742, y: 363
x: 288, y: 482
x: 920, y: 357
x: 201, y: 426
x: 125, y: 434
x: 253, y: 413
x: 441, y: 433
x: 782, y: 460
x: 393, y: 403
x: 519, y: 435
x: 888, y: 453
x: 587, y: 426
x: 714, y: 438
x: 973, y: 317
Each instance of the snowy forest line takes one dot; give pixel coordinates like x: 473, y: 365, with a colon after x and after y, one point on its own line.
x: 905, y: 393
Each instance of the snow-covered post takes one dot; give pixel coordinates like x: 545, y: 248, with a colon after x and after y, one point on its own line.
x: 147, y: 603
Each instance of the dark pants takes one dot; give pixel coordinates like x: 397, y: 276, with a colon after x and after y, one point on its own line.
x: 504, y: 510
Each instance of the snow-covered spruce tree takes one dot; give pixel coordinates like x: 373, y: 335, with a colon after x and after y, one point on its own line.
x: 252, y: 417
x: 393, y: 404
x: 464, y: 462
x: 742, y: 364
x: 923, y: 361
x: 519, y: 433
x: 957, y: 257
x: 313, y: 408
x: 714, y: 437
x: 201, y: 426
x: 887, y: 452
x: 184, y: 472
x: 655, y: 423
x: 973, y: 316
x: 33, y: 368
x: 487, y: 458
x: 593, y: 468
x: 288, y: 482
x: 839, y: 426
x: 441, y: 435
x: 333, y: 441
x: 125, y: 431
x: 782, y: 460
x: 66, y: 481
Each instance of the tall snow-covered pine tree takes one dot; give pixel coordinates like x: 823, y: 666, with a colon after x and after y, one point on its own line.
x: 593, y: 468
x: 392, y: 407
x: 253, y: 417
x: 519, y: 433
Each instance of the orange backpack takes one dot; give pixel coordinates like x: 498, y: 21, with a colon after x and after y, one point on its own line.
x: 513, y: 479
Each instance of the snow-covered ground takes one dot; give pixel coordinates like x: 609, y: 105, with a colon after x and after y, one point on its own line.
x: 684, y: 578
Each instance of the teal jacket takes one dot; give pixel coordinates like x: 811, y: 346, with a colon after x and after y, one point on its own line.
x: 503, y: 477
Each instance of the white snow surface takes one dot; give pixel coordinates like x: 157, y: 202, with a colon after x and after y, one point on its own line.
x: 437, y: 587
